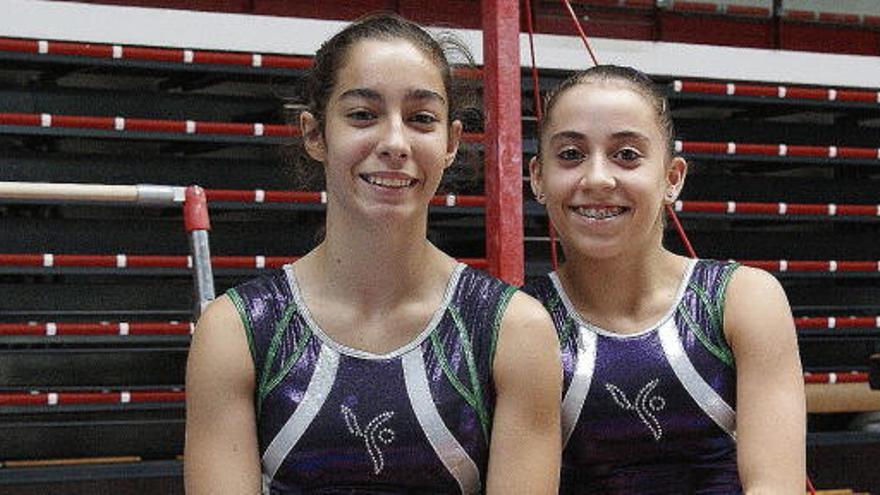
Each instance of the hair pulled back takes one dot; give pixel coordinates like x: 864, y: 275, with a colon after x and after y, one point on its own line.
x: 633, y: 78
x: 331, y: 56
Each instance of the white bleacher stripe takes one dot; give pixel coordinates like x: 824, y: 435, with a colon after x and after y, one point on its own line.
x: 878, y: 96
x: 260, y: 261
x: 731, y: 148
x: 783, y: 265
x: 119, y: 123
x: 832, y: 209
x: 323, y: 197
x: 121, y: 261
x: 259, y: 129
x: 51, y: 329
x: 192, y: 327
x: 679, y: 205
x: 832, y: 266
x: 189, y: 261
x: 731, y: 207
x: 191, y: 127
x: 783, y: 208
x: 783, y: 150
x: 878, y: 153
x: 188, y: 56
x: 832, y: 152
x: 125, y: 397
x: 43, y: 47
x: 832, y: 94
x: 678, y: 146
x: 259, y: 196
x: 52, y: 399
x: 45, y: 120
x: 781, y: 91
x: 48, y: 260
x: 731, y: 89
x: 877, y: 322
x: 450, y: 200
x: 118, y: 51
x: 832, y: 377
x: 832, y: 322
x: 676, y: 86
x: 257, y: 60
x: 878, y: 210
x: 123, y: 328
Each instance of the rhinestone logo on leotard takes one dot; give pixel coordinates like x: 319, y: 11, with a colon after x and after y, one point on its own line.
x: 644, y: 405
x: 373, y: 434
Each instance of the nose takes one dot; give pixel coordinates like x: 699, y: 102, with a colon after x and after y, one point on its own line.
x: 597, y: 174
x: 393, y: 146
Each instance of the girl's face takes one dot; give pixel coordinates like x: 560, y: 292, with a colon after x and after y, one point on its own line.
x: 387, y: 137
x: 604, y: 172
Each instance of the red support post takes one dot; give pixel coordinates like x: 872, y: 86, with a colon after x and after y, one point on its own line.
x: 503, y: 140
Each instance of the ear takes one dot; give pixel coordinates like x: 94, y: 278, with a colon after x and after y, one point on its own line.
x: 536, y: 178
x: 455, y: 130
x: 313, y: 138
x: 675, y: 175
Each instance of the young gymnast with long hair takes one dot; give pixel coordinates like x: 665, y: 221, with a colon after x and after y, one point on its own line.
x: 376, y: 363
x: 681, y: 376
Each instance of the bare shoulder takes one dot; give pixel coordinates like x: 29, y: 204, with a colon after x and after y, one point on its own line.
x: 526, y: 335
x: 527, y: 319
x: 756, y: 307
x: 753, y: 288
x: 219, y: 342
x: 219, y: 316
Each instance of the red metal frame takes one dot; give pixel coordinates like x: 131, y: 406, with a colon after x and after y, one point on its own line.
x: 503, y: 143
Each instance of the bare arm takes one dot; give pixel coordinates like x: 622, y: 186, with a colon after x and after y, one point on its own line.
x: 221, y: 453
x: 770, y: 410
x: 526, y: 441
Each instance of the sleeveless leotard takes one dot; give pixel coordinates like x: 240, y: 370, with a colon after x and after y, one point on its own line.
x: 650, y: 412
x: 332, y: 419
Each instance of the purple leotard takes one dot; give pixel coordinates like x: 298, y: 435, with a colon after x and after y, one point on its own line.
x: 333, y: 420
x: 650, y: 412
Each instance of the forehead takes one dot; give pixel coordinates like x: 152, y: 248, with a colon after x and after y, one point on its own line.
x: 603, y: 106
x: 388, y: 66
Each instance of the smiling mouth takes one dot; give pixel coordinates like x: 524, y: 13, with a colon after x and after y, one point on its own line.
x: 389, y: 183
x: 603, y: 213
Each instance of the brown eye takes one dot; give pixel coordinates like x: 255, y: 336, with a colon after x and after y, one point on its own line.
x: 570, y: 155
x: 361, y: 115
x: 627, y: 155
x: 424, y: 118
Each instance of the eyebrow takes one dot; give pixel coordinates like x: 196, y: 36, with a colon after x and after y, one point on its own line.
x: 570, y: 135
x: 425, y: 94
x: 578, y: 136
x: 412, y: 94
x: 367, y: 94
x: 638, y: 136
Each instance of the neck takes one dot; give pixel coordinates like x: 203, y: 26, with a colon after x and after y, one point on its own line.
x: 627, y: 287
x: 377, y: 264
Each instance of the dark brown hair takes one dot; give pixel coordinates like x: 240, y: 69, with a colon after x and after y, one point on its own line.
x: 637, y: 81
x: 442, y: 49
x: 332, y: 54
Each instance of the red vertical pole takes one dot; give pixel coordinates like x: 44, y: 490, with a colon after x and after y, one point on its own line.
x: 503, y: 142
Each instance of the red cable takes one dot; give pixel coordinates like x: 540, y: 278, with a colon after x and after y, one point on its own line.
x: 669, y: 209
x: 580, y: 31
x: 681, y: 233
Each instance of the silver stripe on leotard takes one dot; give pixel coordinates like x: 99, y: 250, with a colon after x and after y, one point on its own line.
x: 451, y: 453
x: 703, y: 394
x: 585, y: 364
x: 312, y: 401
x: 581, y: 380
